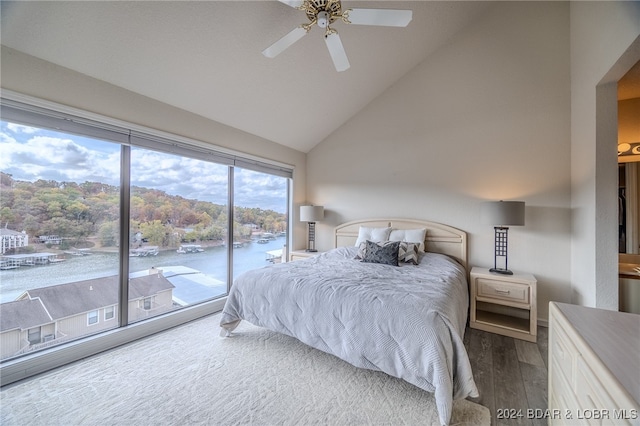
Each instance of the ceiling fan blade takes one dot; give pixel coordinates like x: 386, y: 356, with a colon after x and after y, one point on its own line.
x: 281, y: 45
x: 336, y: 50
x: 292, y: 3
x: 384, y: 17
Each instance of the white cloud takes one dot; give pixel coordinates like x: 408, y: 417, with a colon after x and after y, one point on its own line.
x: 56, y: 156
x: 187, y: 177
x: 19, y: 128
x: 61, y: 159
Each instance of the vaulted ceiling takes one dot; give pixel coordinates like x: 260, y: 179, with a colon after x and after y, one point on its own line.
x: 205, y: 56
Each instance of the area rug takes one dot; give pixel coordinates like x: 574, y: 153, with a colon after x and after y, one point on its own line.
x: 191, y: 376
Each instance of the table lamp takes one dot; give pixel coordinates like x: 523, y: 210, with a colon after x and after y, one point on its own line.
x: 311, y: 214
x: 502, y: 214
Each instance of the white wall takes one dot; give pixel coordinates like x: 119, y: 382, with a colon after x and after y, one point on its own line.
x: 34, y: 77
x: 485, y: 118
x: 604, y: 46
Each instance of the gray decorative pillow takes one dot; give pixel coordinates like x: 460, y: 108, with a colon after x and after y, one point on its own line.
x: 409, y: 253
x: 386, y: 253
x: 362, y: 248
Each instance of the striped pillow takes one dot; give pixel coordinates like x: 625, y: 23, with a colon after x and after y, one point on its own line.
x: 409, y: 253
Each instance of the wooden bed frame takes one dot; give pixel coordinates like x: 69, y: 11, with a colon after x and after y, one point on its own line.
x: 439, y: 238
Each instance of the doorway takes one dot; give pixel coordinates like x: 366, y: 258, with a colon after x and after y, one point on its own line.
x: 629, y: 191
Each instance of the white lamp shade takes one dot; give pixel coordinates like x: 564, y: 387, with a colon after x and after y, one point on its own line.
x: 503, y: 213
x: 311, y: 213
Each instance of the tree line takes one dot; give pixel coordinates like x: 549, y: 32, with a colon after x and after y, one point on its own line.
x: 91, y: 210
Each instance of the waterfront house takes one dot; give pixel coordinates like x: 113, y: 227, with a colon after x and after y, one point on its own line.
x: 50, y: 239
x: 51, y: 315
x: 11, y: 240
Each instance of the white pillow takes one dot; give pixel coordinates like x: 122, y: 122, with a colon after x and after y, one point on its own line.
x: 377, y: 235
x: 409, y: 236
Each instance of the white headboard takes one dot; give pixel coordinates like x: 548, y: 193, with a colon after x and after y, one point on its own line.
x: 440, y: 238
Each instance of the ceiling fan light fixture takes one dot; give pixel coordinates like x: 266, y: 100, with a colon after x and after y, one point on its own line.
x: 324, y: 13
x: 323, y: 19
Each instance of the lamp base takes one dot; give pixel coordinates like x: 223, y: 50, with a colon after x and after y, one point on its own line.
x: 311, y: 250
x: 501, y: 271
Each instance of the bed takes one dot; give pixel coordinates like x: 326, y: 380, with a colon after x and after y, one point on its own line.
x: 407, y: 320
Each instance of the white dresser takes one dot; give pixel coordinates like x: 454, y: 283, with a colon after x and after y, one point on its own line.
x: 594, y: 366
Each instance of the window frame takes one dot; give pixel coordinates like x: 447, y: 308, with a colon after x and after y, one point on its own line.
x: 18, y: 368
x: 93, y: 314
x: 39, y: 328
x: 110, y: 309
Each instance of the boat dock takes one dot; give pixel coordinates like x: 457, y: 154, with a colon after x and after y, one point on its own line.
x: 274, y: 256
x: 144, y: 251
x: 14, y: 261
x: 190, y: 248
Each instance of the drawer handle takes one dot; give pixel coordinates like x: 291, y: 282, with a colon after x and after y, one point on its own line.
x: 502, y: 291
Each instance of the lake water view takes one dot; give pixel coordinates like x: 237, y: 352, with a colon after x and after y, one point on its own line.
x: 211, y: 262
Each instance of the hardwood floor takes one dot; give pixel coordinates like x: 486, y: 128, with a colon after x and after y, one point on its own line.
x: 511, y: 376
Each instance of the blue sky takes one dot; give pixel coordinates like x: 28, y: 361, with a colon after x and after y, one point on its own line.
x: 29, y: 154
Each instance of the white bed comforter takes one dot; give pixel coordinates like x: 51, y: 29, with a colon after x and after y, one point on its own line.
x: 407, y: 321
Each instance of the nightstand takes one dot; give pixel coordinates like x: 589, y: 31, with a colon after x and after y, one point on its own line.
x: 301, y: 254
x: 504, y: 304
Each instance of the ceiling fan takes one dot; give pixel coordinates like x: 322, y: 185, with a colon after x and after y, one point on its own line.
x: 324, y: 13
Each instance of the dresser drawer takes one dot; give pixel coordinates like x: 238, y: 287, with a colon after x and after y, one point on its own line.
x: 561, y: 398
x: 563, y: 353
x: 509, y: 291
x: 592, y: 394
x: 589, y: 390
x: 597, y: 348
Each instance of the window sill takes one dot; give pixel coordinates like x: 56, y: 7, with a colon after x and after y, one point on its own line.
x: 29, y: 365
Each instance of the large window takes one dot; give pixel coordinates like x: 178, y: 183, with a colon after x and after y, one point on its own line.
x: 260, y: 219
x: 90, y: 213
x: 59, y: 209
x: 178, y: 228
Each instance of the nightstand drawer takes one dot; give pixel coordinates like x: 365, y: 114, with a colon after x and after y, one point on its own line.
x: 510, y: 291
x: 302, y: 254
x: 293, y: 257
